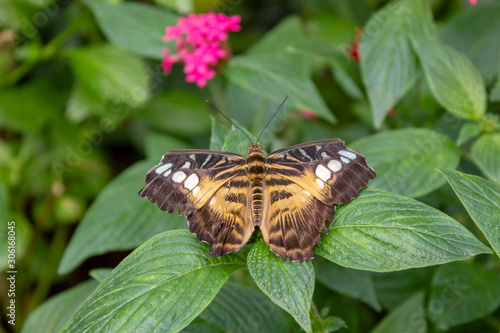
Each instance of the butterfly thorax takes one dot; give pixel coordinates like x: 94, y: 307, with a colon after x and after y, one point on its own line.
x: 256, y: 170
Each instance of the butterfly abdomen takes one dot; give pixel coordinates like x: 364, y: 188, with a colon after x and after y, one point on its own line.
x: 256, y: 170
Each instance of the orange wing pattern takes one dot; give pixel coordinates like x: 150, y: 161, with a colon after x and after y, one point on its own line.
x: 303, y: 184
x: 211, y: 188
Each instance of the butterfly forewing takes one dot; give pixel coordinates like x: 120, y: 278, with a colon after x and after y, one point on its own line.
x: 199, y: 183
x: 310, y: 179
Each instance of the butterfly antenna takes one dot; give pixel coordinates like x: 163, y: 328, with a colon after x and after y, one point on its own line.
x: 274, y: 115
x: 229, y: 120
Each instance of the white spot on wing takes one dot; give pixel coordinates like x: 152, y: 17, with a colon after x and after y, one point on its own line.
x: 334, y: 165
x: 191, y: 181
x: 186, y: 165
x: 345, y: 160
x: 206, y: 160
x: 320, y: 183
x: 347, y: 154
x: 163, y: 168
x: 179, y: 176
x: 303, y: 152
x: 196, y: 189
x: 193, y: 157
x: 212, y: 201
x: 323, y: 173
x: 325, y: 155
x: 166, y: 174
x: 307, y: 193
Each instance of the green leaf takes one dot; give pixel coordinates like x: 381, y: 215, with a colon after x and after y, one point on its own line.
x: 406, y: 160
x: 237, y: 142
x: 486, y: 155
x: 4, y: 205
x: 240, y: 309
x: 168, y: 110
x: 219, y: 133
x: 111, y: 74
x: 161, y: 286
x: 99, y: 274
x: 395, y: 287
x: 119, y: 219
x: 281, y: 37
x: 452, y: 78
x: 158, y: 144
x: 135, y: 27
x: 479, y: 42
x: 288, y: 284
x: 467, y: 132
x: 481, y: 199
x: 270, y: 77
x: 462, y: 292
x: 51, y: 316
x: 382, y: 232
x: 409, y: 317
x: 272, y: 70
x: 253, y: 112
x: 388, y: 66
x: 346, y: 281
x: 29, y: 107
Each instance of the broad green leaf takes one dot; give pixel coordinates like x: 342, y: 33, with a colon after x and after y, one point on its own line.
x: 99, y: 274
x: 254, y: 111
x: 51, y: 316
x: 218, y: 136
x: 237, y: 142
x: 4, y: 218
x: 383, y: 232
x: 161, y: 286
x: 158, y: 144
x: 240, y: 309
x: 479, y: 42
x: 406, y: 160
x: 409, y: 317
x: 135, y: 27
x: 467, y: 132
x: 282, y: 36
x: 178, y: 112
x: 111, y: 74
x: 452, y: 78
x: 269, y: 77
x: 462, y: 292
x: 29, y: 107
x: 271, y: 69
x: 388, y: 66
x: 288, y: 284
x: 395, y: 287
x: 4, y: 205
x: 486, y: 155
x: 481, y: 199
x: 346, y: 281
x: 119, y: 219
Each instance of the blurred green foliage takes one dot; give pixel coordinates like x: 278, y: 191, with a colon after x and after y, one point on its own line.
x: 85, y: 111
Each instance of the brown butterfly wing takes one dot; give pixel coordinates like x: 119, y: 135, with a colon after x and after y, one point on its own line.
x: 303, y: 184
x: 201, y: 184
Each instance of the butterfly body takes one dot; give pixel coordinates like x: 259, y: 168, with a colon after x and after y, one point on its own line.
x: 288, y: 194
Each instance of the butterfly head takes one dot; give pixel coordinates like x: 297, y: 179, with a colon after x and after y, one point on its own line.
x: 254, y: 148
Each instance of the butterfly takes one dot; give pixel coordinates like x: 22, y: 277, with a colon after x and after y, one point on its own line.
x: 288, y: 194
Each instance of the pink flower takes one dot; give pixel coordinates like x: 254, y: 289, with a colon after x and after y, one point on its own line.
x: 354, y: 48
x: 473, y: 2
x: 308, y: 114
x: 200, y: 44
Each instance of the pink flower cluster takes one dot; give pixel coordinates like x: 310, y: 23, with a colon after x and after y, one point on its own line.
x: 200, y: 44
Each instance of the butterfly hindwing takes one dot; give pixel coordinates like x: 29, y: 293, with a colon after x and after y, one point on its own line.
x: 313, y: 177
x: 225, y: 221
x: 199, y: 184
